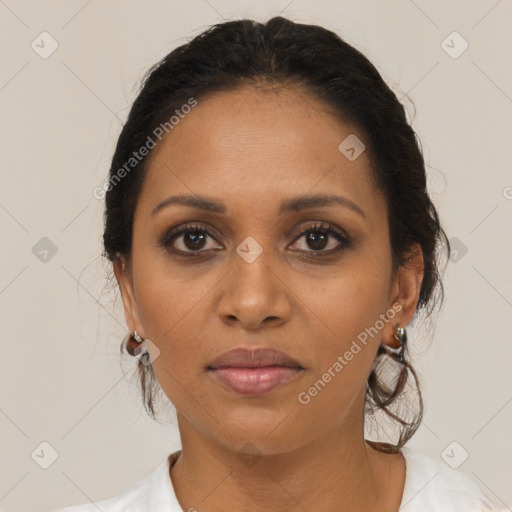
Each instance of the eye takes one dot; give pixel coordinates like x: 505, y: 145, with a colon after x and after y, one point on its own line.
x: 194, y: 239
x: 320, y: 236
x: 190, y: 238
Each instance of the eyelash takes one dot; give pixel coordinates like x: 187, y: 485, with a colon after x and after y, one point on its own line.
x: 322, y: 228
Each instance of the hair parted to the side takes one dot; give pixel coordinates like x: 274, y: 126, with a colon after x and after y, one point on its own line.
x: 283, y: 53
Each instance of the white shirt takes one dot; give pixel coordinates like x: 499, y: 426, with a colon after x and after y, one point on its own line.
x: 430, y: 486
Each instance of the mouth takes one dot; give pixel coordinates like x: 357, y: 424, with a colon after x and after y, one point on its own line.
x: 254, y: 372
x: 254, y: 381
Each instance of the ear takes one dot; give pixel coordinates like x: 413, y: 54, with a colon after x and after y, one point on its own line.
x: 124, y: 278
x: 405, y: 291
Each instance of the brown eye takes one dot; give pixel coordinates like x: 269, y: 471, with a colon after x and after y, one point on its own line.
x: 323, y: 238
x: 189, y: 239
x: 194, y: 240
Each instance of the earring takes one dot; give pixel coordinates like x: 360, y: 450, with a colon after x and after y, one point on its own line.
x: 142, y: 349
x: 401, y: 336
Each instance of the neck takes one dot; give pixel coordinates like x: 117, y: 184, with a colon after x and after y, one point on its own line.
x: 337, y: 471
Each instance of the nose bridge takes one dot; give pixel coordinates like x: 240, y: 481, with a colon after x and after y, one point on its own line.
x: 253, y: 261
x: 254, y: 291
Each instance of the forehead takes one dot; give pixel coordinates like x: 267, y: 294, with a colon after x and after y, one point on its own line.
x: 256, y: 145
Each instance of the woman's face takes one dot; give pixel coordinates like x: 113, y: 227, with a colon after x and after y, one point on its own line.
x: 256, y: 281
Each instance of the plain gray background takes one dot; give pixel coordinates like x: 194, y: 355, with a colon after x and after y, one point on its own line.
x: 62, y: 379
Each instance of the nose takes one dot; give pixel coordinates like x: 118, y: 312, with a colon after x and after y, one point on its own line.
x: 254, y: 295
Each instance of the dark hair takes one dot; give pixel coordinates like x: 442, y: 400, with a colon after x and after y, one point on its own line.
x: 283, y: 53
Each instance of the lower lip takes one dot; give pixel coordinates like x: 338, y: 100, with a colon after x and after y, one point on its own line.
x: 255, y: 381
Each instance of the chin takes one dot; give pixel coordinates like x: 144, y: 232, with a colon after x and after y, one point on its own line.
x: 267, y: 431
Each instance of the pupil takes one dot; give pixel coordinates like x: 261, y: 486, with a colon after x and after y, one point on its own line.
x: 315, y: 239
x: 195, y: 237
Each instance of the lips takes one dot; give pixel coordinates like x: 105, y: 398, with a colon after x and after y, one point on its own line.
x: 245, y: 358
x: 254, y: 372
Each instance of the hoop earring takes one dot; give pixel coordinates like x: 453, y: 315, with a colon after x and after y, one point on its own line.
x: 401, y: 336
x: 142, y: 349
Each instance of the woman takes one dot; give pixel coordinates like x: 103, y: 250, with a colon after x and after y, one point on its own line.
x: 271, y: 233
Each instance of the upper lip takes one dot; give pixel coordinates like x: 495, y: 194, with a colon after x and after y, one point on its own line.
x: 247, y: 358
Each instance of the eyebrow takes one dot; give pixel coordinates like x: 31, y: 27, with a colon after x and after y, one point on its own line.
x: 288, y: 205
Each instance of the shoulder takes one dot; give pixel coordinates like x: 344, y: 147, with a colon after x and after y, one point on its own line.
x: 432, y: 485
x: 153, y: 492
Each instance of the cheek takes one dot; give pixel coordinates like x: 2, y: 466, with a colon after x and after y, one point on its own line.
x: 348, y: 310
x: 350, y: 301
x: 173, y: 316
x: 346, y: 349
x: 169, y: 296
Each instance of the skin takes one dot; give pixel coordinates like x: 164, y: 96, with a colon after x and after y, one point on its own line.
x: 252, y: 148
